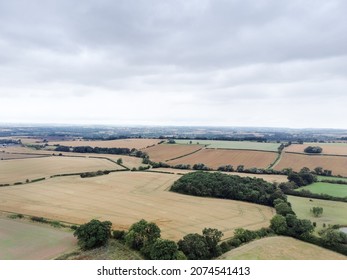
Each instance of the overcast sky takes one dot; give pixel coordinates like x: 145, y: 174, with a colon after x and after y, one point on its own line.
x: 182, y: 62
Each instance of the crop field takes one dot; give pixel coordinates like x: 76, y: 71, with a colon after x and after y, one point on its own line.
x: 328, y: 148
x: 214, y: 158
x: 335, y: 163
x: 237, y: 145
x: 269, y: 178
x: 333, y: 212
x: 121, y: 143
x: 337, y: 190
x: 18, y: 170
x: 126, y: 197
x: 7, y: 156
x: 164, y: 152
x: 281, y: 248
x: 28, y: 241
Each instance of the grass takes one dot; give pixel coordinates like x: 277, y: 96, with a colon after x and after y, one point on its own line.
x: 333, y: 212
x: 337, y: 190
x: 321, y: 178
x: 242, y: 145
x: 281, y: 248
x: 114, y: 250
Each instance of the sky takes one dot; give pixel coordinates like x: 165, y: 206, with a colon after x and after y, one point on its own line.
x: 266, y: 63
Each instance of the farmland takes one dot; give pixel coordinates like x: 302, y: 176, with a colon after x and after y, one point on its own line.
x: 18, y: 170
x: 27, y: 241
x: 296, y: 161
x: 121, y: 143
x: 328, y: 148
x: 165, y: 152
x: 281, y: 248
x: 337, y: 190
x: 214, y: 158
x: 126, y: 197
x: 333, y: 212
x: 237, y: 145
x: 331, y: 178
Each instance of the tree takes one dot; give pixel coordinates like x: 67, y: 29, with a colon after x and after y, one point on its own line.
x: 93, y: 234
x: 278, y: 224
x: 163, y: 249
x: 317, y: 211
x: 313, y: 150
x: 240, y: 168
x: 319, y: 170
x: 119, y: 161
x: 212, y: 237
x: 283, y: 209
x: 194, y: 246
x: 333, y: 237
x: 142, y: 234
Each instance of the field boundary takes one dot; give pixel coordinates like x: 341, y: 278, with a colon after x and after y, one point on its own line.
x: 184, y: 155
x: 252, y: 150
x: 315, y: 155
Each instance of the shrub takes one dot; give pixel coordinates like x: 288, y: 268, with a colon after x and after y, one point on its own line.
x: 119, y: 234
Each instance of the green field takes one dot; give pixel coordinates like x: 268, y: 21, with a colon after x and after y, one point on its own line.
x: 333, y: 212
x: 22, y: 240
x: 239, y: 145
x: 337, y: 190
x: 321, y: 178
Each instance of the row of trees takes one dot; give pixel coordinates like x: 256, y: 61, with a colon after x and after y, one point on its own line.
x: 226, y: 186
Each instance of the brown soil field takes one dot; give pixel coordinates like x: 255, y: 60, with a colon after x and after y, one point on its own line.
x: 269, y: 178
x: 7, y: 156
x: 214, y: 158
x: 335, y: 163
x: 121, y: 143
x: 281, y: 248
x: 164, y: 152
x: 22, y: 240
x: 328, y: 148
x: 126, y: 197
x: 18, y: 170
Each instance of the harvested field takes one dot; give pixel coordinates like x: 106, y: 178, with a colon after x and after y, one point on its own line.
x: 337, y: 190
x: 8, y: 156
x: 165, y: 152
x: 269, y: 178
x: 333, y: 212
x: 121, y: 143
x: 335, y: 163
x: 214, y: 158
x: 281, y: 248
x: 18, y: 170
x: 20, y: 240
x: 126, y: 197
x: 328, y: 148
x: 237, y: 145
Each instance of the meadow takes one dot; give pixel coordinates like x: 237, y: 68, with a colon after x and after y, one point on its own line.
x: 337, y: 190
x: 126, y: 197
x: 280, y: 248
x: 22, y: 240
x: 237, y: 145
x: 333, y: 212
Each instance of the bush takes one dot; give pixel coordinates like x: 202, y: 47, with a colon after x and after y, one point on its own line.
x: 163, y: 249
x: 119, y: 234
x: 93, y: 234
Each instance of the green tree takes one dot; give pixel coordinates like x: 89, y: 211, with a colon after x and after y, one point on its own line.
x: 93, y: 234
x: 163, y: 249
x: 142, y: 234
x: 119, y: 161
x: 194, y: 246
x: 283, y: 209
x: 278, y: 224
x: 212, y: 237
x: 317, y: 211
x: 333, y: 237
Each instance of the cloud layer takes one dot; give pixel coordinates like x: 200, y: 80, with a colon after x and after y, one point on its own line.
x: 197, y: 62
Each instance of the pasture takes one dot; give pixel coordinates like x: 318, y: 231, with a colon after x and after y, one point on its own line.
x: 236, y: 145
x: 137, y: 143
x: 328, y: 148
x: 332, y: 178
x: 126, y: 197
x: 337, y: 190
x: 296, y: 161
x: 333, y: 212
x: 281, y: 248
x: 21, y: 240
x: 214, y: 158
x: 165, y: 152
x: 18, y: 170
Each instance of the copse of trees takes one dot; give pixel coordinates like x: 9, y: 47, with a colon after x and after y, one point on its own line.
x: 227, y: 186
x: 302, y: 178
x: 313, y: 150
